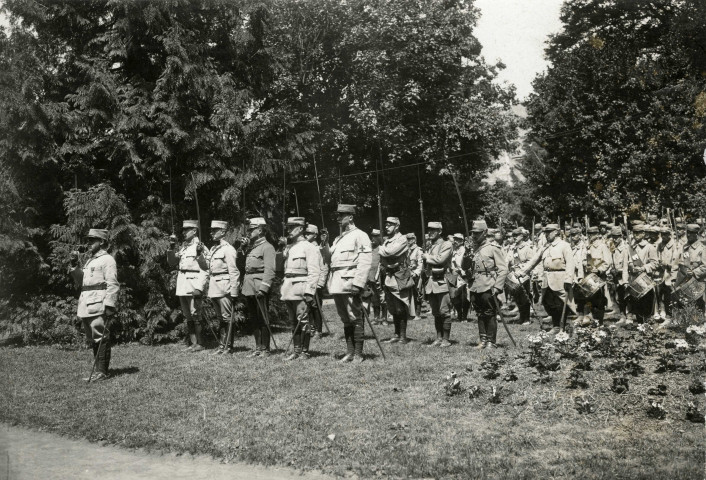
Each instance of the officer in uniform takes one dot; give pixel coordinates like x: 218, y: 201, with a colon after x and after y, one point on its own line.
x: 223, y: 283
x: 643, y: 258
x: 669, y: 253
x: 521, y: 255
x: 557, y: 273
x: 489, y: 271
x: 98, y: 280
x: 416, y: 265
x: 259, y: 274
x: 398, y: 283
x: 681, y: 232
x: 302, y: 273
x: 351, y: 255
x: 597, y: 260
x: 459, y: 294
x: 693, y: 260
x: 191, y: 280
x: 311, y: 233
x: 437, y: 264
x: 618, y: 273
x: 372, y: 294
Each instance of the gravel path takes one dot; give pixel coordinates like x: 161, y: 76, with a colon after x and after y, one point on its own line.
x: 28, y: 454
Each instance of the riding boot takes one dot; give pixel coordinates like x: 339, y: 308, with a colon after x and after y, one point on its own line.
x: 358, y: 332
x: 102, y: 363
x: 198, y: 333
x: 403, y: 330
x: 306, y: 340
x: 264, y: 339
x: 350, y: 345
x: 258, y: 339
x: 492, y: 329
x: 446, y: 334
x: 396, y: 321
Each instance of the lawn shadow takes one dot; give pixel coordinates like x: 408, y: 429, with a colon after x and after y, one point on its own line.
x: 117, y: 372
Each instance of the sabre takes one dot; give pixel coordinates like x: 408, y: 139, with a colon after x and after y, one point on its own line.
x: 500, y: 317
x: 299, y: 322
x: 321, y: 312
x: 367, y: 318
x: 95, y: 361
x: 266, y: 317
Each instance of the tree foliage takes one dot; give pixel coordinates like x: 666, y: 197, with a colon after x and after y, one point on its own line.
x: 616, y: 124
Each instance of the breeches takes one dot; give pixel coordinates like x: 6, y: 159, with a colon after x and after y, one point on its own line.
x: 224, y: 308
x: 94, y: 328
x: 191, y: 308
x: 350, y: 309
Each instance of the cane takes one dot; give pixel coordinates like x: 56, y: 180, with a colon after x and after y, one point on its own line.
x: 299, y: 322
x: 321, y: 312
x: 562, y: 321
x: 230, y: 325
x: 266, y: 317
x: 95, y: 361
x: 500, y: 317
x: 367, y: 318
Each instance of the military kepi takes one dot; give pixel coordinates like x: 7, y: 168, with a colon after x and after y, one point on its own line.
x: 190, y: 224
x: 693, y: 228
x: 479, y: 226
x: 551, y: 227
x: 218, y: 225
x: 434, y: 225
x: 256, y: 222
x: 345, y: 208
x: 296, y: 221
x: 98, y: 233
x: 311, y: 228
x: 393, y: 220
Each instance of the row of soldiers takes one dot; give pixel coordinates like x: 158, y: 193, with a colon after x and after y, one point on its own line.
x: 449, y: 274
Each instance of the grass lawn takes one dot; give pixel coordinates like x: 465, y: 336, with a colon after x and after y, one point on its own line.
x: 390, y: 419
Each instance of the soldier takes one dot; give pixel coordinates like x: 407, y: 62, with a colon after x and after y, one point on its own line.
x: 98, y: 280
x: 558, y: 274
x: 578, y: 251
x: 437, y: 265
x: 522, y: 254
x: 692, y: 263
x: 618, y: 272
x: 301, y: 277
x: 191, y: 280
x: 372, y: 294
x: 398, y: 281
x: 223, y: 283
x: 316, y: 314
x: 603, y: 230
x: 669, y: 253
x: 416, y: 265
x: 643, y: 259
x: 351, y: 256
x: 597, y: 260
x: 489, y: 271
x: 459, y: 294
x: 259, y: 274
x: 681, y: 233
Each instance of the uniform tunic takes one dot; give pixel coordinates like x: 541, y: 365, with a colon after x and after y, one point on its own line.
x: 669, y: 256
x: 694, y: 257
x: 398, y: 277
x: 438, y: 263
x: 259, y: 268
x: 192, y: 269
x: 619, y: 266
x: 223, y: 275
x: 489, y: 268
x: 351, y: 257
x: 302, y: 270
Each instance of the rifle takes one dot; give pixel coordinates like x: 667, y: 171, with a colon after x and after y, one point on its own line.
x: 318, y: 189
x: 421, y: 204
x: 460, y: 200
x: 377, y: 185
x: 198, y: 211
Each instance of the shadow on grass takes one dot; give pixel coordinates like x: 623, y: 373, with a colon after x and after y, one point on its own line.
x: 117, y: 372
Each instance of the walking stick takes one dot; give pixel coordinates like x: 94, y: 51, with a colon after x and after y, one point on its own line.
x: 562, y: 320
x: 265, y: 315
x: 299, y: 322
x: 367, y: 318
x: 95, y: 361
x: 230, y: 325
x: 321, y: 312
x: 500, y: 317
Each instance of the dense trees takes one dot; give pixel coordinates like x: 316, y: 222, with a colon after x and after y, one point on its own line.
x: 105, y: 101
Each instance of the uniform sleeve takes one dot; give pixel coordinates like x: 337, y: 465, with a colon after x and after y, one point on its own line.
x: 442, y: 256
x: 111, y: 279
x: 570, y: 264
x: 502, y: 268
x: 268, y: 258
x: 700, y: 270
x: 606, y: 257
x: 651, y: 259
x: 394, y: 248
x: 76, y: 275
x: 365, y: 253
x: 313, y: 270
x: 531, y: 263
x: 374, y: 265
x: 173, y: 257
x: 231, y: 257
x: 420, y: 262
x: 323, y: 269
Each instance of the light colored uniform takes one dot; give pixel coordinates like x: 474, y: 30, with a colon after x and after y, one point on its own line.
x: 302, y: 271
x: 99, y: 289
x: 351, y: 256
x: 620, y: 258
x: 192, y: 276
x: 669, y: 256
x: 223, y: 277
x: 416, y: 261
x: 398, y: 277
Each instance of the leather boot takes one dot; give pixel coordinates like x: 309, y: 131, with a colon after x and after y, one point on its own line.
x: 264, y: 339
x: 445, y: 338
x: 258, y: 343
x: 403, y: 331
x: 103, y: 358
x: 350, y: 345
x: 358, y: 332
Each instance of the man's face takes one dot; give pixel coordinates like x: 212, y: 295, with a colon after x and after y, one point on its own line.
x: 575, y: 238
x: 457, y: 243
x: 602, y: 230
x: 189, y: 234
x: 691, y: 237
x: 681, y: 231
x: 311, y: 237
x: 254, y: 233
x: 324, y: 236
x: 434, y: 234
x: 95, y: 244
x: 344, y: 219
x: 617, y: 240
x: 639, y: 235
x: 217, y: 234
x: 293, y: 231
x: 390, y: 229
x: 594, y: 236
x: 551, y: 235
x: 478, y: 236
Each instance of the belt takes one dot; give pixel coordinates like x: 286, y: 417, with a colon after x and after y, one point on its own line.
x: 254, y: 271
x: 345, y: 267
x: 548, y: 270
x: 188, y: 270
x: 97, y: 286
x: 294, y: 275
x: 215, y: 274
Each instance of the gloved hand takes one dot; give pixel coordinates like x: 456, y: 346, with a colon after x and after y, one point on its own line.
x: 74, y: 257
x: 356, y: 290
x: 109, y: 311
x: 260, y: 294
x: 200, y: 248
x: 309, y: 299
x: 173, y: 240
x: 197, y: 293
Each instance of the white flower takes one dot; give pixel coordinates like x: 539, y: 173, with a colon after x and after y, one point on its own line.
x: 561, y: 337
x: 696, y: 330
x: 642, y: 328
x: 681, y: 344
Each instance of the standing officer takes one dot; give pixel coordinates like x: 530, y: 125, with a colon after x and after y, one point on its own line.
x: 489, y: 274
x: 618, y: 273
x: 372, y: 293
x: 597, y: 260
x: 351, y: 255
x: 416, y: 265
x: 223, y: 278
x: 459, y: 297
x: 316, y: 315
x: 99, y: 285
x: 669, y: 254
x: 301, y: 278
x: 437, y: 262
x: 259, y: 274
x: 643, y: 258
x: 398, y: 283
x: 557, y: 273
x: 693, y: 260
x: 521, y: 255
x: 191, y: 280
